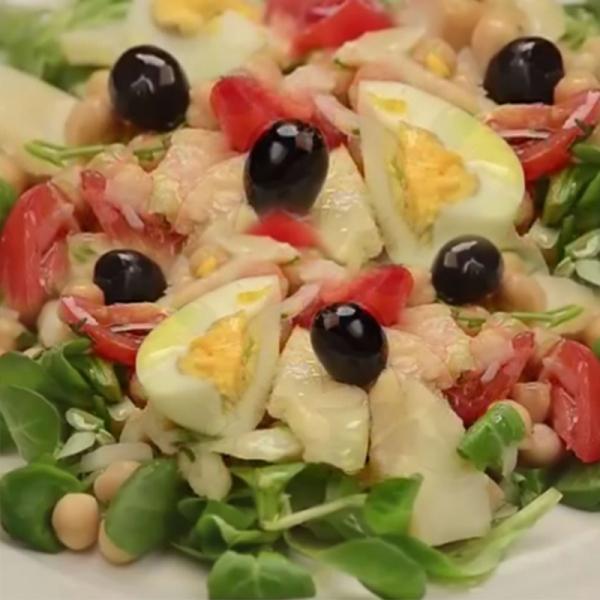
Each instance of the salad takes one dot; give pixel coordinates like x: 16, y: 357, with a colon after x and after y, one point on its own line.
x: 291, y: 278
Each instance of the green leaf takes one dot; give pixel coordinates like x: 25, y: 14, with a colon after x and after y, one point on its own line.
x: 8, y: 197
x: 530, y: 483
x: 389, y: 506
x: 33, y: 423
x: 469, y: 563
x: 191, y: 508
x: 267, y: 485
x: 381, y: 566
x: 586, y: 246
x: 7, y: 444
x: 587, y: 211
x: 267, y: 576
x: 27, y: 498
x: 19, y: 370
x: 580, y: 486
x: 100, y: 376
x: 143, y: 515
x: 487, y: 440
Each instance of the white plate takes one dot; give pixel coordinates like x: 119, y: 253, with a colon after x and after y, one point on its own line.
x: 558, y: 560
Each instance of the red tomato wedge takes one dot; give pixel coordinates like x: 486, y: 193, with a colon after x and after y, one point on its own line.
x: 33, y: 256
x: 149, y: 234
x: 383, y: 291
x: 331, y: 23
x: 472, y: 396
x: 245, y: 107
x: 574, y: 373
x: 286, y: 228
x: 116, y: 331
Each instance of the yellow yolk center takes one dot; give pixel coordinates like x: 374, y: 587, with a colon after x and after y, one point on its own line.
x: 429, y: 177
x: 222, y: 356
x: 189, y: 16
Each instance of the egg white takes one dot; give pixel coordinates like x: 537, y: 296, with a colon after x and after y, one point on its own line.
x: 490, y: 211
x: 195, y: 402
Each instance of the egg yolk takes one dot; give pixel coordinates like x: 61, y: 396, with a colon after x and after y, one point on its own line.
x: 222, y: 355
x: 428, y: 177
x: 189, y: 16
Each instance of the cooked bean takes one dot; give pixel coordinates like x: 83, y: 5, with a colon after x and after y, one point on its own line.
x: 92, y: 121
x: 574, y: 83
x: 110, y: 481
x: 75, y: 520
x: 97, y: 84
x: 459, y: 19
x: 543, y: 448
x: 110, y: 552
x: 535, y: 397
x: 494, y: 30
x: 519, y: 292
x: 84, y: 289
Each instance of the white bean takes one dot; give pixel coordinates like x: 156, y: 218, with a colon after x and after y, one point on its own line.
x: 574, y: 83
x: 110, y: 552
x: 97, y: 84
x: 459, y: 19
x: 494, y: 30
x: 86, y: 290
x: 75, y: 520
x: 519, y: 292
x: 543, y: 448
x: 91, y: 121
x: 110, y: 481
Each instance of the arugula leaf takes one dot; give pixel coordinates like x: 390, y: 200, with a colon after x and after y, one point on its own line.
x: 389, y: 506
x: 32, y: 422
x: 268, y: 576
x: 29, y: 37
x: 380, y: 565
x: 143, y: 515
x: 27, y: 498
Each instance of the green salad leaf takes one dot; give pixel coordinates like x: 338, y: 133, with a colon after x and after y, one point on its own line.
x: 27, y: 498
x: 30, y: 37
x: 580, y: 486
x: 33, y: 423
x: 143, y: 516
x: 486, y: 442
x: 268, y: 576
x: 583, y: 21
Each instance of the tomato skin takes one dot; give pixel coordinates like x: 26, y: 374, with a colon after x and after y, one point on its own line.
x: 33, y: 258
x: 574, y: 373
x: 95, y: 321
x: 383, y: 291
x: 345, y: 20
x: 286, y: 228
x: 471, y: 397
x: 245, y: 108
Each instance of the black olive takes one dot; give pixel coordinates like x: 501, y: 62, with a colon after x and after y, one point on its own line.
x: 525, y: 71
x: 129, y: 276
x: 286, y: 168
x: 149, y: 89
x: 350, y: 344
x: 466, y: 270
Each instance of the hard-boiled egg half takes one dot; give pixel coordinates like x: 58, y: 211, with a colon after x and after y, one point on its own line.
x: 209, y: 367
x: 435, y: 172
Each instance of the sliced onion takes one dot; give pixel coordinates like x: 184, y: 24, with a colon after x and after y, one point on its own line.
x: 296, y: 303
x: 341, y: 117
x: 582, y: 112
x: 531, y: 134
x: 107, y: 455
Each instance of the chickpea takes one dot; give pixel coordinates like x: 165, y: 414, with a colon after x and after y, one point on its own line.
x: 423, y: 291
x: 97, y: 84
x: 110, y: 552
x: 110, y: 481
x: 513, y: 262
x: 12, y: 173
x: 573, y: 83
x: 75, y: 520
x: 543, y: 448
x: 591, y: 333
x: 92, y: 121
x: 527, y: 422
x: 52, y: 331
x: 86, y: 290
x: 520, y: 292
x: 535, y: 398
x: 459, y: 19
x: 494, y: 30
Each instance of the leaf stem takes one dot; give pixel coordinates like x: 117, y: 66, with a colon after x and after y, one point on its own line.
x: 317, y: 512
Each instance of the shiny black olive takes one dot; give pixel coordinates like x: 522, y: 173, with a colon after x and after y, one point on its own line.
x: 149, y: 89
x: 525, y: 71
x: 129, y: 276
x: 466, y: 270
x: 286, y: 168
x: 350, y: 344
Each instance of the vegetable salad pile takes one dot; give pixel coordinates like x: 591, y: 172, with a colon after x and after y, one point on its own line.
x: 309, y: 277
